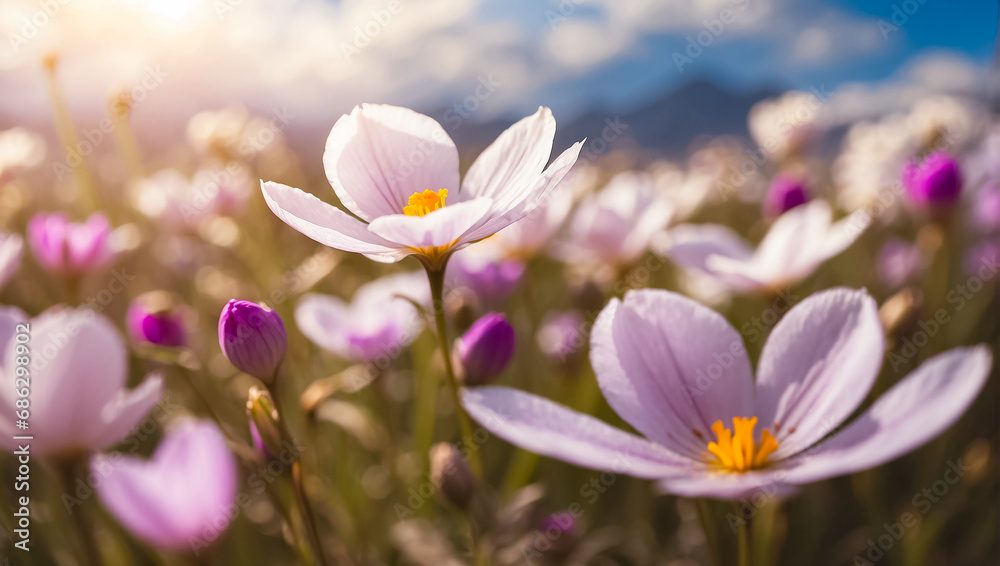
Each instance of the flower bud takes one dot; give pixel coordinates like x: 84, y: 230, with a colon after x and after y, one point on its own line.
x: 935, y: 181
x: 786, y: 193
x: 563, y: 531
x: 253, y: 337
x: 155, y: 319
x: 486, y: 349
x: 265, y: 425
x: 451, y: 475
x: 70, y: 248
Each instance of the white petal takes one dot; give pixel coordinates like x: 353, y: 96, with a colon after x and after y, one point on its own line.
x: 439, y: 228
x: 379, y: 155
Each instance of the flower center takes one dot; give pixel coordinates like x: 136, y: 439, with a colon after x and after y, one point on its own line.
x: 424, y: 203
x: 736, y: 451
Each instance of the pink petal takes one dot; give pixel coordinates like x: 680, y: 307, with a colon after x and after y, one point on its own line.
x: 671, y: 367
x: 11, y: 249
x: 327, y: 224
x: 817, y: 366
x: 911, y: 413
x: 715, y: 484
x: 692, y: 244
x: 541, y: 426
x: 125, y: 412
x: 439, y: 228
x: 378, y: 155
x: 325, y: 320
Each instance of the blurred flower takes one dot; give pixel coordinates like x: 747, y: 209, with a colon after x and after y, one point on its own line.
x: 986, y: 255
x: 898, y: 262
x: 782, y: 126
x: 70, y: 248
x: 483, y: 269
x: 986, y: 209
x: 172, y: 198
x: 485, y: 349
x: 614, y: 226
x: 786, y: 192
x: 11, y: 248
x: 563, y: 530
x: 395, y: 168
x: 79, y: 368
x: 154, y: 318
x: 378, y: 322
x: 450, y: 473
x: 810, y: 379
x: 797, y: 243
x: 935, y: 181
x: 869, y: 163
x: 19, y: 149
x: 253, y: 337
x: 561, y: 335
x: 527, y: 237
x: 180, y: 499
x: 232, y: 133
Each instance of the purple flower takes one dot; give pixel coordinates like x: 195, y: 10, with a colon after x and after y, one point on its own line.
x: 153, y: 318
x: 182, y: 498
x: 486, y: 349
x: 79, y: 369
x: 70, y: 248
x: 377, y: 323
x: 984, y: 255
x: 786, y: 193
x: 898, y: 262
x: 935, y: 181
x: 797, y: 243
x: 482, y: 269
x: 986, y: 209
x: 678, y: 373
x: 253, y: 337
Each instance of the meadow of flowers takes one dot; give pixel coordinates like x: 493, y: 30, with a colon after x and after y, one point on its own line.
x: 767, y: 353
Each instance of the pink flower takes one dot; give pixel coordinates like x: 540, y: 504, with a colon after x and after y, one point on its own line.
x: 397, y: 171
x: 377, y: 323
x: 182, y: 498
x: 797, y: 243
x: 78, y: 372
x: 70, y: 248
x: 678, y: 373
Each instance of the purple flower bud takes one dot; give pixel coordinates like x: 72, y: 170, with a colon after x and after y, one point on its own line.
x: 486, y: 349
x: 786, y: 193
x: 451, y: 475
x: 70, y: 248
x: 253, y: 337
x: 936, y: 181
x: 562, y: 530
x: 154, y: 318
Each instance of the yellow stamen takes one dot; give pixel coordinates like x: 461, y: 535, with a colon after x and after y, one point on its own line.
x: 737, y: 451
x: 426, y: 202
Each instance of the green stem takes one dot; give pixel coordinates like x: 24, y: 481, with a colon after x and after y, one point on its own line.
x: 80, y: 526
x: 436, y: 277
x: 743, y: 539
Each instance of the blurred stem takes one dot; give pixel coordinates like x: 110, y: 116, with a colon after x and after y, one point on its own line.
x: 301, y: 498
x: 707, y: 520
x: 436, y: 277
x: 742, y: 538
x: 119, y: 110
x: 67, y: 136
x: 80, y: 527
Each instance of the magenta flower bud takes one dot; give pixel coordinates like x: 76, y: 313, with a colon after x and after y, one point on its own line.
x: 154, y: 318
x: 936, y: 181
x: 253, y: 337
x: 486, y: 349
x: 563, y: 531
x: 70, y: 248
x: 786, y: 193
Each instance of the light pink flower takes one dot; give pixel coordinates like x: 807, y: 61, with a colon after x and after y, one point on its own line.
x: 78, y: 371
x: 397, y: 171
x: 11, y: 249
x: 70, y: 248
x: 679, y: 374
x: 182, y: 498
x: 797, y: 243
x: 377, y: 323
